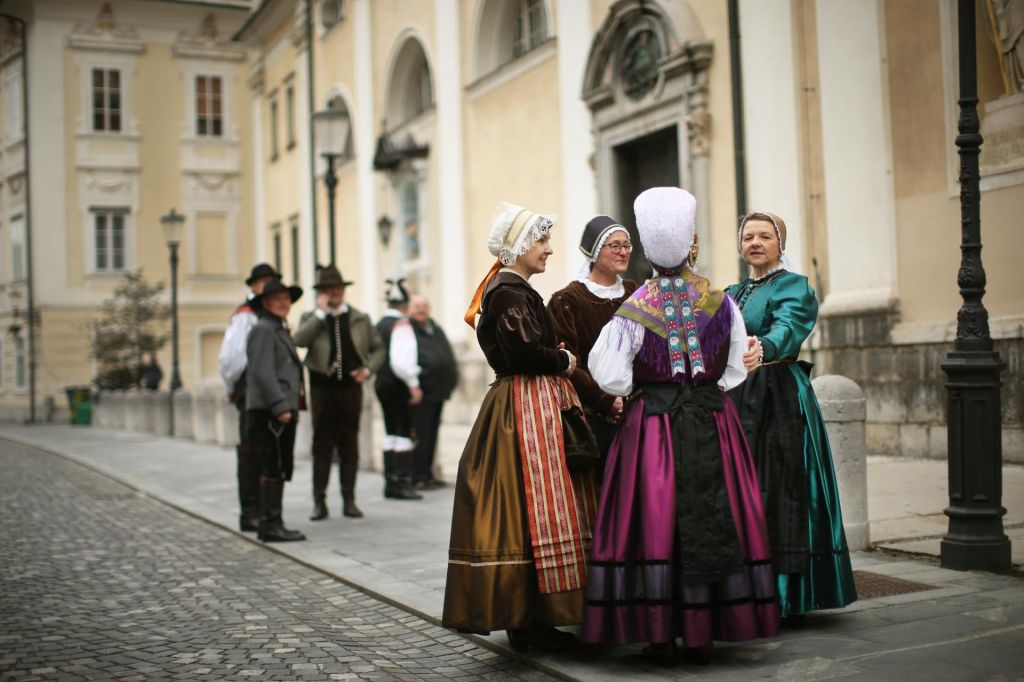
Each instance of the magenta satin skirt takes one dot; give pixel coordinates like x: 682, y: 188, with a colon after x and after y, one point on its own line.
x: 635, y: 592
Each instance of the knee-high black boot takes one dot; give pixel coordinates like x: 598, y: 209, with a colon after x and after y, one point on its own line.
x: 272, y: 525
x: 248, y: 488
x: 402, y: 489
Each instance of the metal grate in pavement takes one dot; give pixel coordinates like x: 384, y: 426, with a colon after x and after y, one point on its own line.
x: 871, y: 585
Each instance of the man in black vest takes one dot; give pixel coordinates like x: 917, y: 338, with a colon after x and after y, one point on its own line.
x: 397, y: 390
x: 344, y: 350
x: 424, y: 343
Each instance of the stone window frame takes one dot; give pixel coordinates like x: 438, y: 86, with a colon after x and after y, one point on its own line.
x: 109, y: 212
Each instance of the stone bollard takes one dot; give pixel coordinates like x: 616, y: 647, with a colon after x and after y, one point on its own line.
x: 843, y: 408
x: 205, y: 417
x: 161, y: 411
x: 183, y: 415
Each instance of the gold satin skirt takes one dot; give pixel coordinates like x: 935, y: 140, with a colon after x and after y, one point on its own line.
x: 492, y: 583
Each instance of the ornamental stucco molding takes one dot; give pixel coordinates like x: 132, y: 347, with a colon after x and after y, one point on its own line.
x: 104, y: 35
x: 206, y: 44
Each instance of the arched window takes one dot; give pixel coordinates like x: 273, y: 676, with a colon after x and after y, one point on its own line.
x: 531, y: 26
x: 509, y: 29
x: 411, y: 88
x: 411, y: 248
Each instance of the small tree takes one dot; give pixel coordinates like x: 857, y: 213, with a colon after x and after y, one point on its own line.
x: 132, y: 326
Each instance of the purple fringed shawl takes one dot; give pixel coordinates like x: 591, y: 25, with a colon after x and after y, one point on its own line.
x: 714, y: 327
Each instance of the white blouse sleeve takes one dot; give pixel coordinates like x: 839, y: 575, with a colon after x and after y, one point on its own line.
x: 735, y: 373
x: 232, y: 358
x: 404, y: 353
x: 611, y: 359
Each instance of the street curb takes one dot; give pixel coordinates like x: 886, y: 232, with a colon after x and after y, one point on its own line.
x: 484, y: 642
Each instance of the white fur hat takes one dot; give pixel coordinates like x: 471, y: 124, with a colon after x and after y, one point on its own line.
x: 666, y: 220
x: 514, y: 229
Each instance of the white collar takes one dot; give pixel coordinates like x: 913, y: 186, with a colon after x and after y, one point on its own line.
x: 600, y: 290
x: 340, y: 310
x: 391, y: 312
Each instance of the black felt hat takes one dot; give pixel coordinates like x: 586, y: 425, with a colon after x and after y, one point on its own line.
x: 329, y: 276
x: 277, y: 285
x: 261, y: 270
x: 595, y: 232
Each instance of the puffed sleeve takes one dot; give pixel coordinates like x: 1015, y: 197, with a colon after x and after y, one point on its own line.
x: 590, y: 393
x: 611, y: 359
x: 735, y: 373
x: 403, y: 354
x: 519, y: 334
x: 793, y: 309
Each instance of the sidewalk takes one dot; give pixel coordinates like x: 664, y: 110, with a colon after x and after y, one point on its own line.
x: 965, y: 625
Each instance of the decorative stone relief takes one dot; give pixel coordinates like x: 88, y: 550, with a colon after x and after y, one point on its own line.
x: 105, y: 35
x: 698, y: 129
x: 298, y: 31
x: 206, y: 43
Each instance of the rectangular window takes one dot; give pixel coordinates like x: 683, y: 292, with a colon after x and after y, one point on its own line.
x: 106, y: 100
x: 295, y: 249
x: 109, y: 240
x: 20, y: 364
x: 13, y: 107
x: 289, y: 103
x: 209, y: 107
x: 273, y: 128
x: 276, y: 229
x: 18, y: 247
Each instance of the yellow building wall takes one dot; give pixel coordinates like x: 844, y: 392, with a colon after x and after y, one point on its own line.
x: 927, y: 214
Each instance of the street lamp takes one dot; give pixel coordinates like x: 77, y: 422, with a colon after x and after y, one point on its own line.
x: 384, y: 226
x: 172, y: 225
x: 975, y: 539
x: 331, y: 128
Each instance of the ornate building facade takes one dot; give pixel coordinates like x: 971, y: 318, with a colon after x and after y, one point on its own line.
x: 839, y: 116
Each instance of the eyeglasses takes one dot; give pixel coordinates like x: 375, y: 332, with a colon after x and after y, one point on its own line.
x: 619, y: 247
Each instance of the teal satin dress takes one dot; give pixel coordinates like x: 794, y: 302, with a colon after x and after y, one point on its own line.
x: 790, y: 446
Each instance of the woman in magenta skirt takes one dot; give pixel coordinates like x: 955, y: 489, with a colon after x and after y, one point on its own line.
x: 680, y: 546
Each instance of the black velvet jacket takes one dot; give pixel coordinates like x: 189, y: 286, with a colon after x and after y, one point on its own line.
x: 515, y: 331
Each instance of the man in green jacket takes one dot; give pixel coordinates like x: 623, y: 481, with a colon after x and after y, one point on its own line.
x: 344, y: 349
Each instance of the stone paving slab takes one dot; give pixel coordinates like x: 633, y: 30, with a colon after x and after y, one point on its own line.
x: 399, y: 552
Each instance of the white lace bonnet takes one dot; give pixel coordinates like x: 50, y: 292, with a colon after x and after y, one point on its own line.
x: 514, y: 229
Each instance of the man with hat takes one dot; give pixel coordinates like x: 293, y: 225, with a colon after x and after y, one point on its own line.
x: 274, y: 388
x: 344, y: 348
x: 397, y: 393
x: 232, y: 361
x: 582, y: 309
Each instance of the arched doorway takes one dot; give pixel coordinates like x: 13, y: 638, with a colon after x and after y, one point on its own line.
x: 645, y: 85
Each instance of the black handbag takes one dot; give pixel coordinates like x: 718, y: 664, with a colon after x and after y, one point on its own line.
x: 581, y: 451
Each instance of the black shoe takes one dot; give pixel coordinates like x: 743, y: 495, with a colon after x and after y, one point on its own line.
x: 518, y: 640
x: 248, y: 524
x: 662, y: 653
x: 794, y: 620
x: 319, y: 512
x: 276, y: 532
x: 351, y: 510
x: 404, y: 492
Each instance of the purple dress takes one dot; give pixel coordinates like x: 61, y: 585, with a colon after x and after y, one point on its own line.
x: 680, y: 543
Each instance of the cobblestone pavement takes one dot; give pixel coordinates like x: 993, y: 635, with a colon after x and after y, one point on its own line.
x: 99, y: 581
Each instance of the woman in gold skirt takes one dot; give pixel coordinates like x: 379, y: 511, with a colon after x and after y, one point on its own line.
x: 521, y: 522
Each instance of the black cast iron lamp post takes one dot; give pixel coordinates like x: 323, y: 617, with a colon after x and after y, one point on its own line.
x: 975, y: 539
x: 331, y: 127
x: 172, y: 225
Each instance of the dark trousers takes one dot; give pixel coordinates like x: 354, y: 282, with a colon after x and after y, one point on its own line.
x: 394, y: 405
x: 426, y: 422
x: 273, y: 443
x: 248, y: 469
x: 336, y: 411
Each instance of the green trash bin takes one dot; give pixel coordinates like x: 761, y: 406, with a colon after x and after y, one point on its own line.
x: 79, y: 404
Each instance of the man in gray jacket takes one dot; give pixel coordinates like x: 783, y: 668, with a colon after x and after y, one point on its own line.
x: 273, y: 386
x: 344, y: 349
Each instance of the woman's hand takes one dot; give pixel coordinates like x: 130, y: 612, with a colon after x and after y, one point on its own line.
x: 572, y: 359
x: 617, y: 406
x: 284, y: 417
x: 755, y: 353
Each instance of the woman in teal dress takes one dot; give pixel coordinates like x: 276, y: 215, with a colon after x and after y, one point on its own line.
x: 784, y: 427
